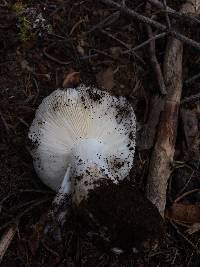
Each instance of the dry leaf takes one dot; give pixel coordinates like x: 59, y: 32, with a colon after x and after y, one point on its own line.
x: 72, y: 79
x: 105, y: 78
x: 80, y: 50
x: 193, y: 228
x: 186, y: 213
x: 25, y: 66
x: 116, y: 51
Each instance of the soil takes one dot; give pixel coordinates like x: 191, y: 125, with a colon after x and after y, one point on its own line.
x: 120, y: 209
x: 33, y: 63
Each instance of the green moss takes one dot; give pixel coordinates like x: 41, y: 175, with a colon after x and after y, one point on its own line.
x: 25, y: 32
x: 18, y: 8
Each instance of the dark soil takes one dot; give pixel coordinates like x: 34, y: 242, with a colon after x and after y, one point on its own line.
x: 121, y: 209
x: 33, y: 63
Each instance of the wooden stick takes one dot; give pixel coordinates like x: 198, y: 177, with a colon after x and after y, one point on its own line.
x: 174, y: 13
x: 153, y: 58
x: 124, y: 9
x: 163, y: 153
x: 6, y: 240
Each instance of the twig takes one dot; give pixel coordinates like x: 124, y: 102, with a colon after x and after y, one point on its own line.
x: 122, y: 43
x: 21, y: 214
x: 151, y: 22
x: 6, y: 240
x: 114, y: 38
x: 24, y: 191
x: 156, y: 65
x: 49, y: 249
x: 186, y: 194
x: 153, y: 38
x: 192, y: 79
x: 109, y: 20
x: 37, y: 89
x: 166, y: 14
x: 185, y: 237
x: 55, y: 59
x: 189, y: 179
x: 153, y: 58
x: 76, y: 25
x: 191, y: 98
x: 5, y: 123
x: 173, y: 12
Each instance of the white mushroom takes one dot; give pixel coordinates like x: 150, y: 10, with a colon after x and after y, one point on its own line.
x: 86, y: 134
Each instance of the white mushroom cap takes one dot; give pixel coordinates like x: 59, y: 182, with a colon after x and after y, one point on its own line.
x: 87, y: 129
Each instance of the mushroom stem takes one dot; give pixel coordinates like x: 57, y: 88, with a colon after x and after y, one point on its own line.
x: 62, y: 200
x: 64, y: 189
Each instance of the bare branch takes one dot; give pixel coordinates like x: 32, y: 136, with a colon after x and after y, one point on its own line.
x: 163, y: 153
x: 153, y: 38
x: 151, y: 22
x: 153, y: 58
x: 173, y: 12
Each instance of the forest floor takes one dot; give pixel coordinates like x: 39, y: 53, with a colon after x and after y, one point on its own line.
x: 40, y: 43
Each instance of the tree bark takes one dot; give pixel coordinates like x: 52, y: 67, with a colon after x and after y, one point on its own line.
x: 163, y: 153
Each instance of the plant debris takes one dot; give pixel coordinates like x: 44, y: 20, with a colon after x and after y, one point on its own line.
x: 41, y: 42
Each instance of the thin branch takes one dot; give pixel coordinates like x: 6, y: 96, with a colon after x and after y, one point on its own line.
x: 21, y: 214
x: 186, y: 239
x: 153, y: 38
x: 190, y: 98
x: 107, y: 21
x: 153, y: 58
x: 192, y: 79
x: 166, y: 14
x: 156, y: 65
x: 5, y: 123
x: 151, y: 22
x: 122, y: 43
x: 173, y: 12
x: 186, y: 194
x: 55, y: 59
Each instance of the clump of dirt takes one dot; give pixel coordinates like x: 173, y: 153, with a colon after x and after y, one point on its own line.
x: 122, y: 216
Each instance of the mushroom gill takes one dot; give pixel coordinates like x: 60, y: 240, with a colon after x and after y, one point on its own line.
x: 86, y: 133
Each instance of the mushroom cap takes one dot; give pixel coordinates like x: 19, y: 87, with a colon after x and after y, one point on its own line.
x: 82, y: 127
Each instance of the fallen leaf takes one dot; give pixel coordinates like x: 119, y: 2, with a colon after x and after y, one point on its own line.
x: 105, y: 78
x: 116, y: 51
x: 80, y: 50
x: 25, y: 66
x: 186, y: 213
x: 72, y: 79
x: 195, y: 227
